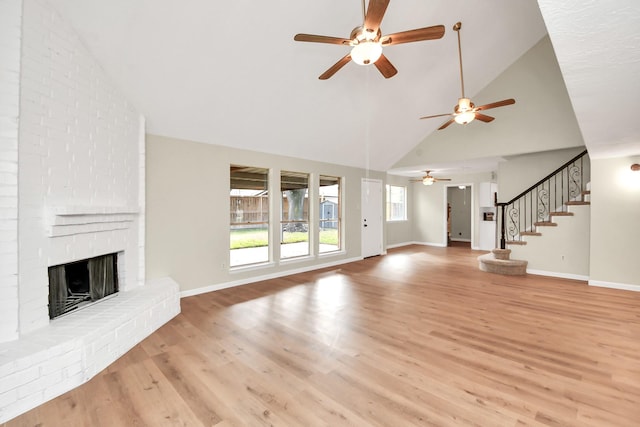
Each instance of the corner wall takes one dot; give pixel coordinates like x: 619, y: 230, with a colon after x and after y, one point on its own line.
x: 615, y: 223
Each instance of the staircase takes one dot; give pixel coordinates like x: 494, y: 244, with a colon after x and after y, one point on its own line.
x: 538, y: 211
x: 538, y: 226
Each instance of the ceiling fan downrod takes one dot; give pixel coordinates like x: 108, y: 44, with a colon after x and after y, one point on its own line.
x: 456, y: 28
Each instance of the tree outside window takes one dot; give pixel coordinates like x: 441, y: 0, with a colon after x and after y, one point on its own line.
x: 294, y: 241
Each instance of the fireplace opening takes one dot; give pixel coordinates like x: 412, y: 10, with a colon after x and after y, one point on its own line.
x: 80, y: 283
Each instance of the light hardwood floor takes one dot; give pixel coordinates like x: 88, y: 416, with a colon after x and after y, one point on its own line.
x: 417, y: 337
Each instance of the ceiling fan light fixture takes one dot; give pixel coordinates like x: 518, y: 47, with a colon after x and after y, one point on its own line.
x: 428, y: 180
x: 465, y: 117
x: 464, y: 104
x: 366, y: 52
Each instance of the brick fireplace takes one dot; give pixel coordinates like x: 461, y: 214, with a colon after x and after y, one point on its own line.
x: 72, y: 165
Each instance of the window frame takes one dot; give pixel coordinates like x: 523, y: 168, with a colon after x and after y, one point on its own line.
x: 389, y: 203
x: 337, y: 210
x: 289, y: 177
x: 264, y: 221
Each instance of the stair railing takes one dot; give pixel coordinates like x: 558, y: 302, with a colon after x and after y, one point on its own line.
x: 535, y: 205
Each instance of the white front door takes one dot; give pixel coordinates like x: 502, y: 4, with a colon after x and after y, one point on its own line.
x: 371, y: 217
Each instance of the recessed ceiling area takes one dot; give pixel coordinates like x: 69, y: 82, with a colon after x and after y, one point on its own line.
x: 231, y: 74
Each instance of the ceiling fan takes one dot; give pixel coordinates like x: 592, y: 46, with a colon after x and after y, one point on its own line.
x: 367, y: 41
x: 466, y: 111
x: 429, y: 180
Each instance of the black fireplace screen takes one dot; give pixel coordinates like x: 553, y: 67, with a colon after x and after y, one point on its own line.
x: 82, y: 282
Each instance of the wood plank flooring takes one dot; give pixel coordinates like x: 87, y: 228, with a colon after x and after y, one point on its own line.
x: 417, y: 337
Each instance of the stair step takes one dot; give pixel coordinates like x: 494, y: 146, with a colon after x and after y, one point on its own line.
x: 545, y: 224
x: 501, y: 253
x: 530, y: 233
x: 516, y: 242
x: 577, y: 202
x: 561, y: 214
x: 509, y: 267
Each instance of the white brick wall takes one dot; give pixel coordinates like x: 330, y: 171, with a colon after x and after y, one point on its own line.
x: 72, y: 164
x: 10, y: 18
x: 79, y: 146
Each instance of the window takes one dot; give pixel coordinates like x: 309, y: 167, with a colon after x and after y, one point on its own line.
x: 294, y: 224
x: 249, y: 221
x: 330, y: 214
x: 396, y: 203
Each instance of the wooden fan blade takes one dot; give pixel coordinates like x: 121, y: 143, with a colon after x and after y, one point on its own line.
x: 442, y: 179
x: 496, y: 104
x: 484, y: 118
x: 320, y: 39
x: 446, y: 124
x: 437, y: 115
x: 374, y: 15
x: 335, y: 67
x: 428, y: 33
x: 385, y: 67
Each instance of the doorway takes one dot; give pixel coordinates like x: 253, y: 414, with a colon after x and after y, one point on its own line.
x: 371, y: 223
x: 459, y: 215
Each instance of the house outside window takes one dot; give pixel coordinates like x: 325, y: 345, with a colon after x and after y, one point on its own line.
x: 396, y: 203
x: 330, y: 214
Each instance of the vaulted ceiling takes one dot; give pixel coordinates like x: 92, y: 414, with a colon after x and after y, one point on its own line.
x: 230, y: 73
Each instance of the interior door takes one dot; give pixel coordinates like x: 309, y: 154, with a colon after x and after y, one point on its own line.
x: 371, y: 217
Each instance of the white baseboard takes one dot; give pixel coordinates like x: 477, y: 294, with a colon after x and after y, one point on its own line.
x: 248, y: 280
x: 558, y: 275
x: 399, y: 245
x: 438, y: 245
x: 614, y: 285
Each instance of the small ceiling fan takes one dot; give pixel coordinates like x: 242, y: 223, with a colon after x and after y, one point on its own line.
x: 466, y: 111
x: 367, y: 41
x: 428, y: 179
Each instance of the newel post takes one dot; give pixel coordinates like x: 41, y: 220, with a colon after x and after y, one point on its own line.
x: 502, y: 236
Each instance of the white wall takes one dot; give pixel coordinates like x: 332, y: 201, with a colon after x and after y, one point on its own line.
x: 188, y: 213
x: 615, y: 223
x: 10, y: 20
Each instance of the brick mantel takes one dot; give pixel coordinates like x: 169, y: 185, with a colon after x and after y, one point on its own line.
x: 70, y: 220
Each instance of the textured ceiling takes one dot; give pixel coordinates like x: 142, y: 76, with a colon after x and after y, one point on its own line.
x: 597, y: 44
x: 229, y: 73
